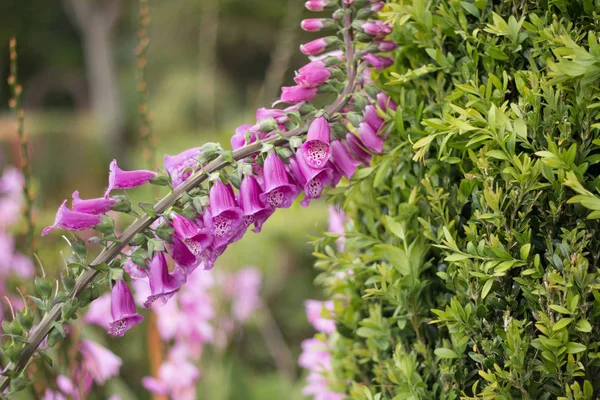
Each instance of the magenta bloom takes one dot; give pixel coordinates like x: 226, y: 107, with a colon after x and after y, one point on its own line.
x: 134, y: 270
x: 314, y: 47
x: 377, y: 62
x: 92, y: 206
x: 255, y: 211
x: 371, y: 117
x: 316, y: 149
x: 316, y: 5
x: 316, y: 24
x: 369, y: 138
x: 377, y: 28
x: 356, y: 148
x: 72, y: 220
x: 279, y: 191
x: 384, y: 102
x: 314, y: 312
x: 297, y: 94
x: 226, y: 216
x: 181, y: 254
x: 337, y: 220
x: 181, y: 166
x: 119, y: 179
x: 99, y: 312
x: 314, y: 180
x: 123, y: 310
x: 196, y: 238
x: 312, y: 74
x: 377, y: 6
x: 265, y: 113
x: 163, y: 285
x: 176, y: 378
x: 98, y: 361
x: 387, y: 45
x: 342, y: 160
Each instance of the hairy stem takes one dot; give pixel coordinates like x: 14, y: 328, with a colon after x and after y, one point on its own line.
x: 144, y: 222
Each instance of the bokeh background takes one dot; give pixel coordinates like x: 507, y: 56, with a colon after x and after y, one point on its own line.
x: 209, y: 65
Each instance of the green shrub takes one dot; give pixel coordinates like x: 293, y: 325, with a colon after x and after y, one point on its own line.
x: 474, y: 243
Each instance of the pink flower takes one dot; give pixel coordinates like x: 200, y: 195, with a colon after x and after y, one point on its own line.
x: 377, y: 62
x: 120, y: 179
x: 244, y: 287
x: 92, y: 206
x: 386, y: 45
x: 316, y: 24
x: 181, y: 166
x: 255, y: 210
x: 377, y: 28
x: 279, y: 191
x: 314, y: 47
x: 337, y: 220
x: 313, y: 180
x: 72, y: 220
x: 316, y: 149
x: 371, y: 117
x: 163, y: 285
x: 312, y: 74
x: 369, y: 138
x: 357, y: 150
x: 225, y: 216
x: 342, y: 160
x: 297, y: 94
x: 315, y: 311
x: 317, y: 5
x: 99, y: 312
x: 123, y: 310
x: 384, y: 102
x: 99, y: 362
x: 177, y: 378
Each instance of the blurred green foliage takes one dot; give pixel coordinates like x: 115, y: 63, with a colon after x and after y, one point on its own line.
x: 474, y: 246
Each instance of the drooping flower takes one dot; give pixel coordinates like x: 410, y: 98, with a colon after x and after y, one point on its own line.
x: 181, y: 166
x: 316, y: 149
x: 280, y: 116
x: 123, y: 310
x: 120, y: 179
x: 72, y: 220
x: 314, y: 180
x: 279, y: 192
x: 312, y: 74
x: 316, y: 24
x: 371, y: 117
x: 181, y: 254
x: 196, y: 237
x: 297, y: 94
x: 315, y: 47
x: 238, y: 140
x: 98, y: 361
x: 342, y: 160
x: 255, y: 211
x: 384, y: 102
x: 357, y: 150
x: 378, y: 62
x: 377, y: 28
x: 377, y: 6
x: 386, y: 45
x: 95, y: 206
x: 369, y: 138
x: 163, y: 285
x: 225, y: 215
x: 99, y: 312
x: 314, y: 312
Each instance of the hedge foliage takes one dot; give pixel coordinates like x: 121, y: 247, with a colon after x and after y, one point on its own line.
x: 471, y: 263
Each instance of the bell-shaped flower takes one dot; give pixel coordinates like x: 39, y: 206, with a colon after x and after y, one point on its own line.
x: 196, y: 238
x: 163, y: 285
x: 280, y: 116
x: 72, y: 220
x: 181, y: 254
x: 369, y: 138
x: 377, y: 28
x: 182, y: 165
x: 377, y: 62
x: 279, y: 191
x: 98, y: 361
x: 238, y: 140
x: 357, y: 150
x: 371, y: 117
x: 342, y: 160
x: 384, y: 102
x: 225, y: 215
x: 297, y: 94
x: 312, y: 74
x: 123, y: 310
x: 386, y: 45
x: 315, y: 47
x: 119, y: 179
x: 99, y: 312
x: 316, y: 149
x: 314, y: 180
x: 96, y: 206
x: 255, y: 211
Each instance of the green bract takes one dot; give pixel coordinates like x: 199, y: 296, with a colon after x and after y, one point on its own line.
x: 474, y: 243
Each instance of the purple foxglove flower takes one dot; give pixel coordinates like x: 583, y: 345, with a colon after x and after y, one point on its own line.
x: 99, y: 312
x: 226, y: 216
x: 123, y: 310
x: 255, y: 211
x: 163, y: 285
x: 92, y: 206
x: 297, y: 94
x: 386, y: 45
x: 315, y: 47
x: 370, y: 138
x: 377, y: 28
x: 119, y: 179
x: 377, y: 62
x: 342, y: 160
x: 316, y: 179
x: 196, y: 238
x: 314, y: 313
x: 278, y: 115
x: 98, y: 361
x: 356, y: 148
x: 72, y: 220
x: 181, y: 166
x: 134, y: 270
x: 336, y: 176
x: 279, y: 192
x: 384, y: 102
x: 365, y: 77
x: 371, y: 117
x: 316, y: 24
x: 316, y: 150
x: 239, y: 139
x: 182, y: 255
x: 377, y: 6
x: 312, y: 74
x: 316, y: 5
x: 315, y: 355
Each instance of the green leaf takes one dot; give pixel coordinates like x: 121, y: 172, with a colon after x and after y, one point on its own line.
x: 561, y: 324
x: 486, y: 288
x: 148, y: 209
x: 443, y: 352
x: 559, y: 309
x: 574, y: 348
x: 583, y: 326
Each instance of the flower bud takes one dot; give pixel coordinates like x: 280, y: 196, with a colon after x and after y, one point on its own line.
x: 316, y: 24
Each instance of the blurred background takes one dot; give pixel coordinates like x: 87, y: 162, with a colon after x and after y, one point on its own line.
x: 209, y: 65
